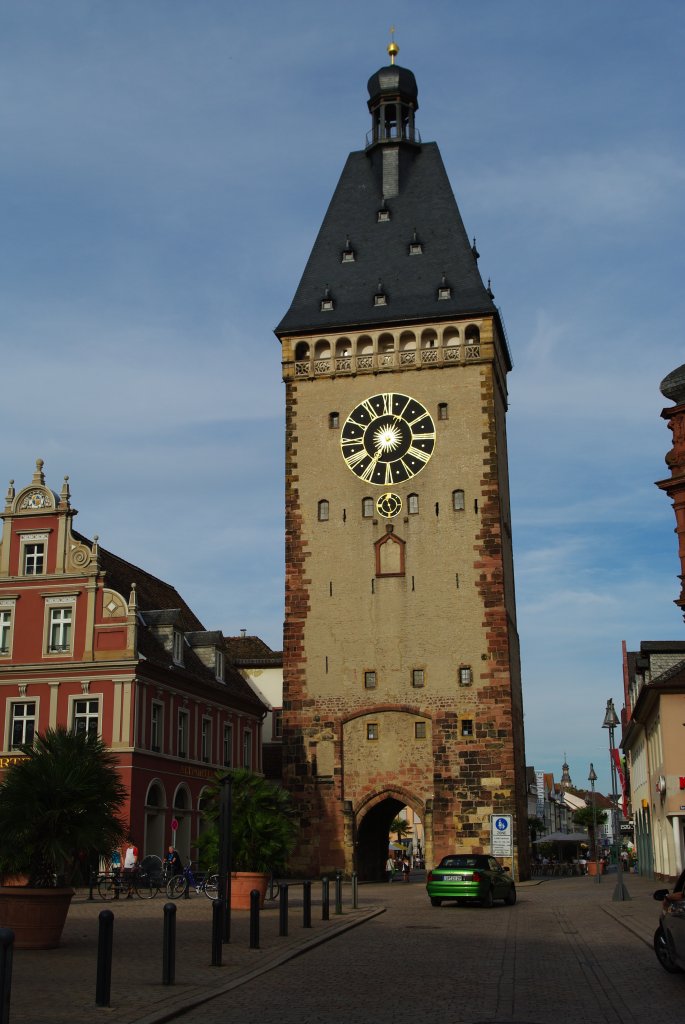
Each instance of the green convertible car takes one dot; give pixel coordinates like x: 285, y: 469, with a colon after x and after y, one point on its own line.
x: 470, y: 877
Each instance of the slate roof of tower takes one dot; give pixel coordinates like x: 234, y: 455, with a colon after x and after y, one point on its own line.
x: 425, y: 203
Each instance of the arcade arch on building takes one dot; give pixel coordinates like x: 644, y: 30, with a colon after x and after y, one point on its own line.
x: 183, y: 813
x: 154, y: 840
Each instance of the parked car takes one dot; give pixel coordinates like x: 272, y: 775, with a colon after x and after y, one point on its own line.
x: 669, y: 938
x: 470, y: 877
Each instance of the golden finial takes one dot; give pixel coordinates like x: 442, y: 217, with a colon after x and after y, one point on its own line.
x: 393, y: 48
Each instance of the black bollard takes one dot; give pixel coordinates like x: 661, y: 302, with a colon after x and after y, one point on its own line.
x: 355, y: 891
x: 103, y: 981
x: 325, y: 899
x: 338, y: 892
x: 217, y: 931
x: 255, y: 898
x: 306, y: 904
x: 6, y: 953
x: 283, y: 909
x: 169, y: 945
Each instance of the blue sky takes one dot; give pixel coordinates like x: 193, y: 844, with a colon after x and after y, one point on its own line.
x: 166, y: 166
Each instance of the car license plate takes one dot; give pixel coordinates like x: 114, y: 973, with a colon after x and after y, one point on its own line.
x: 453, y: 878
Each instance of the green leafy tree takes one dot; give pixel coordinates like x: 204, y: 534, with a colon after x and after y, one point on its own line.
x: 62, y: 799
x: 585, y: 817
x: 401, y: 828
x: 536, y: 827
x: 263, y: 824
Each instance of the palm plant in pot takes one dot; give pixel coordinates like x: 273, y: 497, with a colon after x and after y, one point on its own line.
x: 61, y: 800
x: 262, y: 834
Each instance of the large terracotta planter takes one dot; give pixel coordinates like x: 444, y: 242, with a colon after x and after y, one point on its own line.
x: 592, y: 867
x: 242, y: 884
x: 36, y: 916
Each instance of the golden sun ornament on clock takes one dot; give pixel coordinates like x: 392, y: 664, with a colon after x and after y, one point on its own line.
x: 387, y: 439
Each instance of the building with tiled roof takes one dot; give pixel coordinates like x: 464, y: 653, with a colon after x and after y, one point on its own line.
x: 91, y: 641
x: 263, y: 669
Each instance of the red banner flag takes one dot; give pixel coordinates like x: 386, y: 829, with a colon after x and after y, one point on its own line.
x: 622, y: 779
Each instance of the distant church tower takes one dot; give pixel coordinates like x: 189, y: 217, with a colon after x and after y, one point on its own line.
x: 401, y: 656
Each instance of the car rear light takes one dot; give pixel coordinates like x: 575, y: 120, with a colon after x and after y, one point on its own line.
x: 430, y: 877
x: 477, y: 876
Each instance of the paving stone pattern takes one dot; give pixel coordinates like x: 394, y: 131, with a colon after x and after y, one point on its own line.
x: 565, y: 954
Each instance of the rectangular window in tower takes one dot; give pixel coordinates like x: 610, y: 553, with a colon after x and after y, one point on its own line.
x: 86, y: 716
x: 420, y: 730
x: 417, y: 677
x: 443, y: 410
x: 467, y: 727
x: 323, y: 511
x: 183, y: 733
x: 23, y: 723
x: 369, y: 680
x: 465, y: 675
x: 458, y: 500
x: 413, y: 504
x: 372, y: 730
x: 334, y: 420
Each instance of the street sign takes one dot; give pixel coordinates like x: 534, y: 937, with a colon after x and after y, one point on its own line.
x: 174, y: 824
x: 501, y: 837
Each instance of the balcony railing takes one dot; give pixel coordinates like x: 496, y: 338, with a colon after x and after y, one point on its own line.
x: 373, y: 362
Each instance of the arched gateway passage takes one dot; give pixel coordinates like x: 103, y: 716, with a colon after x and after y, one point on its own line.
x: 373, y: 826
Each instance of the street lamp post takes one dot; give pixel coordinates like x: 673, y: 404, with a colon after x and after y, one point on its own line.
x: 592, y: 778
x: 610, y: 722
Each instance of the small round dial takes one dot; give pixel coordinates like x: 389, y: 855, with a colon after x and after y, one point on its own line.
x: 387, y: 439
x: 389, y: 505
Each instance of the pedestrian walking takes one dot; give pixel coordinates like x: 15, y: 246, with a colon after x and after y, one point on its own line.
x: 389, y: 868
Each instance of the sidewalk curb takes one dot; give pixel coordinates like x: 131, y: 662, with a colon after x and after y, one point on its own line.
x: 628, y: 925
x: 185, y: 1003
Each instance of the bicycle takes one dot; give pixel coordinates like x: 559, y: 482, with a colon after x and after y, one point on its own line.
x: 179, y: 884
x: 145, y: 886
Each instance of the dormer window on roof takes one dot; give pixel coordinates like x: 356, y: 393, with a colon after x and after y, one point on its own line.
x: 348, y: 255
x: 444, y: 290
x: 384, y: 213
x: 415, y: 246
x: 327, y: 302
x: 178, y: 647
x: 380, y: 298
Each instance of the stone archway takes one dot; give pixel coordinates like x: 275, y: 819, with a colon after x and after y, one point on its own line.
x: 155, y: 809
x: 373, y: 819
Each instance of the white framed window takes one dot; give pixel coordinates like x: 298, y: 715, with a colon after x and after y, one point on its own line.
x: 6, y: 617
x: 458, y: 500
x: 60, y: 624
x: 219, y: 665
x: 178, y: 647
x: 413, y: 504
x: 33, y: 549
x: 367, y: 508
x: 465, y: 675
x: 85, y: 715
x: 247, y: 748
x: 183, y: 732
x: 22, y: 722
x: 417, y: 677
x: 372, y: 730
x: 228, y: 745
x: 206, y: 739
x: 323, y: 509
x: 156, y: 726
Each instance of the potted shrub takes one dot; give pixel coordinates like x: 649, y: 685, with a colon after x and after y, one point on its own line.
x: 262, y: 834
x: 60, y: 800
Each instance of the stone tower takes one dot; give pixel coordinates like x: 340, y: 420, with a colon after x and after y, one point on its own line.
x: 401, y: 658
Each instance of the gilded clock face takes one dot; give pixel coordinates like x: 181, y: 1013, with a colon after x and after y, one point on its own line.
x: 387, y: 439
x: 389, y: 505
